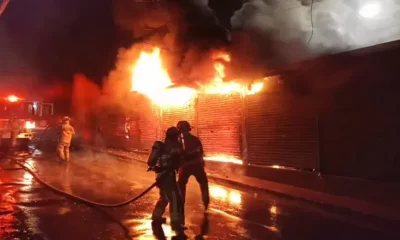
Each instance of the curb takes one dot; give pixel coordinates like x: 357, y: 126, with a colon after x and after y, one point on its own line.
x: 334, y: 202
x: 339, y: 203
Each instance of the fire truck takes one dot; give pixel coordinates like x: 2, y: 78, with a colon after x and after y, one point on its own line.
x: 34, y: 116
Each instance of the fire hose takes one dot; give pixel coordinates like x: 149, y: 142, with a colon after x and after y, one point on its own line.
x: 40, y: 138
x: 74, y: 197
x: 85, y: 201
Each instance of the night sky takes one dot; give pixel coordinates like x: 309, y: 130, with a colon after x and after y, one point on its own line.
x: 59, y: 38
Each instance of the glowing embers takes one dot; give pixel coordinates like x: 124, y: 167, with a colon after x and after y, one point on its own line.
x: 220, y: 193
x: 223, y: 158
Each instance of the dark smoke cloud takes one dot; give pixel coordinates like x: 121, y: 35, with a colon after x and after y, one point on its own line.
x: 272, y: 38
x: 265, y: 33
x: 186, y: 31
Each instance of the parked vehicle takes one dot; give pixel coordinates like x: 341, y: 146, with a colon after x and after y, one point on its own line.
x: 33, y: 115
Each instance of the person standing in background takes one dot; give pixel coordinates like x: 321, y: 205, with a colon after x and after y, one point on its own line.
x: 64, y: 142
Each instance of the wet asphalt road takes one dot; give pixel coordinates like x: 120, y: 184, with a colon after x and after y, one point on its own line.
x: 30, y: 211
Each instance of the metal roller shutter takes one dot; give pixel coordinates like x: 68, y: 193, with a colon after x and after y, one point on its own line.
x: 171, y: 115
x: 359, y: 135
x: 219, y: 124
x: 279, y: 133
x: 148, y: 125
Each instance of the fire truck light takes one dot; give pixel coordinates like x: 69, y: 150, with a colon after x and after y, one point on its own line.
x: 30, y: 125
x: 12, y: 98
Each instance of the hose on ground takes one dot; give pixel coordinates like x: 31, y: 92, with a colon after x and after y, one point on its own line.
x: 40, y: 139
x: 88, y: 202
x: 67, y: 195
x: 74, y: 197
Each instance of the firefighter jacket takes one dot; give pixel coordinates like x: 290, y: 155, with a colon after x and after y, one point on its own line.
x: 165, y: 156
x: 15, y: 125
x: 67, y: 131
x: 193, y: 148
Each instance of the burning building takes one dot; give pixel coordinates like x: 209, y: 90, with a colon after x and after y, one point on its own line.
x: 179, y: 75
x: 260, y: 123
x: 215, y: 106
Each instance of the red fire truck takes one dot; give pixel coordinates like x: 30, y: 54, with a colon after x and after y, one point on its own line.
x: 34, y: 116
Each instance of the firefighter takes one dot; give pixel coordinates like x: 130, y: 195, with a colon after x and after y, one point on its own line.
x: 64, y: 142
x: 15, y: 126
x: 193, y: 163
x: 165, y: 160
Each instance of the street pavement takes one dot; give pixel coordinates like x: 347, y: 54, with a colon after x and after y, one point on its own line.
x: 29, y: 210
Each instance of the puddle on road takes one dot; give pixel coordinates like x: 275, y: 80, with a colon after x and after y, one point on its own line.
x: 143, y: 230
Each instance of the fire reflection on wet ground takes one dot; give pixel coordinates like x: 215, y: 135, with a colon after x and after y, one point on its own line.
x: 233, y: 214
x: 221, y: 194
x: 142, y: 228
x: 9, y: 222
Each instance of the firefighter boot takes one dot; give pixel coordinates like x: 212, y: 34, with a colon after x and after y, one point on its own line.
x: 158, y: 232
x: 180, y: 235
x: 179, y: 229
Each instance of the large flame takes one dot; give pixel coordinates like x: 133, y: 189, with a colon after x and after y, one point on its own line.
x: 151, y: 79
x: 219, y: 86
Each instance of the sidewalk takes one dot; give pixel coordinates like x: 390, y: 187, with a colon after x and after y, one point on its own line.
x: 237, y: 179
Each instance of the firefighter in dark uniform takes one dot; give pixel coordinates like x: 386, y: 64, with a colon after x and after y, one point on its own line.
x: 193, y: 163
x: 165, y: 160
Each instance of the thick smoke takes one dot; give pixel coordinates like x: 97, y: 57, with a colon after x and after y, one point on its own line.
x: 274, y: 37
x: 85, y: 95
x: 186, y: 31
x: 315, y: 27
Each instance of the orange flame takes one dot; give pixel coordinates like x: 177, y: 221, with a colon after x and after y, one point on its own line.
x: 218, y: 86
x: 224, y: 158
x: 151, y: 79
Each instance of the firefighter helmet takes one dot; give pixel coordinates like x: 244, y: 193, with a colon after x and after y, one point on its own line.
x: 66, y: 119
x: 184, y: 126
x: 172, y: 132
